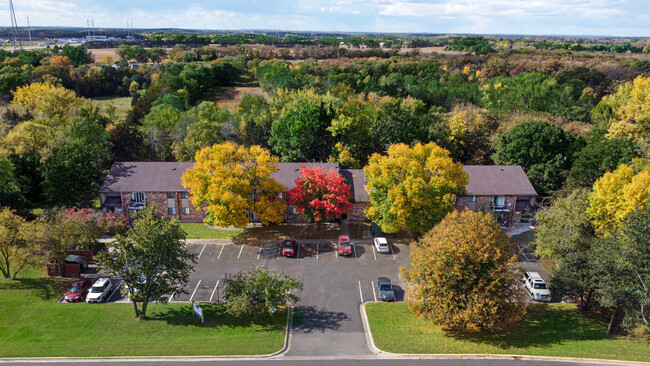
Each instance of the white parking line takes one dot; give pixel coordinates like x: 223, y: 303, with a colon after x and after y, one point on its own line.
x: 113, y: 293
x: 354, y: 249
x: 373, y: 253
x: 372, y: 284
x: 258, y: 253
x: 196, y: 288
x: 391, y: 251
x: 204, y: 245
x: 221, y: 251
x: 240, y: 250
x: 215, y: 290
x: 173, y: 294
x: 317, y: 245
x: 360, y: 293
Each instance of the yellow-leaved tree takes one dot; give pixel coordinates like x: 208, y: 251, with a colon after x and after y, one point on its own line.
x: 412, y: 188
x: 631, y: 106
x: 461, y: 274
x: 46, y: 100
x: 231, y: 180
x: 617, y: 194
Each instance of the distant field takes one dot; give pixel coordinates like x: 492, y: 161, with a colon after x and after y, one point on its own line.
x: 229, y: 97
x: 431, y: 50
x: 122, y: 105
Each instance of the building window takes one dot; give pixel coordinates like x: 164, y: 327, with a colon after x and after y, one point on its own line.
x: 186, y: 210
x: 171, y: 195
x: 499, y: 201
x: 171, y: 210
x: 138, y: 197
x: 472, y: 198
x: 292, y: 210
x: 185, y: 195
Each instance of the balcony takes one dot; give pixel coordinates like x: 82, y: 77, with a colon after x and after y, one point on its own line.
x: 136, y: 205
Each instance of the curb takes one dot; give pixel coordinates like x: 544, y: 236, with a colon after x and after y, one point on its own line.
x: 459, y: 356
x: 288, y: 335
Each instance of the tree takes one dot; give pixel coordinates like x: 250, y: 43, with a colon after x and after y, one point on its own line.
x: 225, y: 178
x: 412, y: 188
x: 259, y: 290
x: 631, y: 106
x: 617, y: 194
x: 77, y: 54
x: 19, y: 243
x: 543, y: 150
x: 321, y: 195
x: 10, y: 194
x: 625, y: 278
x: 156, y: 54
x: 46, y: 100
x: 565, y: 234
x: 151, y: 259
x: 461, y: 274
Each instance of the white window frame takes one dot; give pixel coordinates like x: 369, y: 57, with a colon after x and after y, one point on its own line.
x: 138, y: 197
x: 472, y: 198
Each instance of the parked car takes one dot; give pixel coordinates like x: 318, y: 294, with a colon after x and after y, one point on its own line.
x: 536, y: 287
x: 78, y: 291
x: 381, y: 245
x: 99, y: 291
x: 344, y: 245
x: 385, y: 289
x: 77, y: 259
x: 289, y: 248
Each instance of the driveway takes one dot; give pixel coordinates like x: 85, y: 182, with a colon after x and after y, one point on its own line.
x: 327, y: 319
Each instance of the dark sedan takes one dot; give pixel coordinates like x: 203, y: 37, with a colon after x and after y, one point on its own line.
x: 385, y: 289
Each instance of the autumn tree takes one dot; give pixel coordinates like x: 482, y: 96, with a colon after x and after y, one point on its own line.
x: 631, y: 107
x: 232, y: 180
x: 46, y: 100
x: 151, y: 259
x: 321, y: 195
x: 412, y: 188
x: 19, y: 243
x: 617, y: 194
x: 461, y: 274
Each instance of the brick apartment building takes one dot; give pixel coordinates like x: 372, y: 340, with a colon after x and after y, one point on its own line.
x: 129, y: 186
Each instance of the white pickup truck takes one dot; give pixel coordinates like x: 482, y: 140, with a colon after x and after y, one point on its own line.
x: 536, y: 287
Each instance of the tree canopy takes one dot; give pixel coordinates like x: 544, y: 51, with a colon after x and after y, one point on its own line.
x: 321, y: 195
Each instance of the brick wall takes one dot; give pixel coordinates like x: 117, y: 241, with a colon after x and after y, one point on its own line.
x: 484, y: 203
x: 356, y: 212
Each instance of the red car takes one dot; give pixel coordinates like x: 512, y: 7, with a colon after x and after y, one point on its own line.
x: 345, y: 247
x: 289, y: 248
x: 79, y: 290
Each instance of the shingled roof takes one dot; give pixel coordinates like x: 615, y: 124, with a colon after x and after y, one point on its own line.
x: 356, y: 178
x: 144, y: 176
x: 497, y: 180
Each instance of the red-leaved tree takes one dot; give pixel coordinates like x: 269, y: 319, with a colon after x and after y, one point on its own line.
x: 321, y: 195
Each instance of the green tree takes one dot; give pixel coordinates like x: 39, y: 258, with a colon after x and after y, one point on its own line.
x: 77, y: 54
x: 19, y: 243
x: 151, y: 259
x: 254, y: 110
x: 412, y: 188
x: 543, y: 150
x: 10, y: 193
x: 461, y: 274
x: 259, y: 290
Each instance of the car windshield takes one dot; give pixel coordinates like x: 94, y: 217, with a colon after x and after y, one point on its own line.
x: 540, y: 286
x: 96, y: 289
x: 345, y: 244
x: 288, y: 245
x: 385, y: 287
x: 75, y: 289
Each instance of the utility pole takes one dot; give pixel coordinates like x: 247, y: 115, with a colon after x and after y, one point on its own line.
x: 14, y: 26
x: 29, y: 30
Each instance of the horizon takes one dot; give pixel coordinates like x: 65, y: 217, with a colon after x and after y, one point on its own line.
x: 579, y: 18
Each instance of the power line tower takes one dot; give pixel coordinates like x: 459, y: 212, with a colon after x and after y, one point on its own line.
x: 29, y: 29
x: 14, y: 26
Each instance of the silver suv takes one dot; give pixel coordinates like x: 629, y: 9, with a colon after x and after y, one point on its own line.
x: 536, y: 287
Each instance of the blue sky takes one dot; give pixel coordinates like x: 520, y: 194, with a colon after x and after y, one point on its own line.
x: 535, y: 17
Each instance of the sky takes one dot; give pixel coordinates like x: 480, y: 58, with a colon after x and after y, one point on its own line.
x: 532, y: 17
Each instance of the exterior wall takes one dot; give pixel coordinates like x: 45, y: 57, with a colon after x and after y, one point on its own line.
x: 484, y: 203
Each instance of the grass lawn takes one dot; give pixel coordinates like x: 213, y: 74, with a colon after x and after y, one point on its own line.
x: 35, y: 325
x: 200, y: 231
x: 553, y: 330
x: 122, y: 105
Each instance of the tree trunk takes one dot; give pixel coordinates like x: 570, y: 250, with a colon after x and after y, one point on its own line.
x: 135, y: 308
x: 143, y: 312
x: 615, y: 321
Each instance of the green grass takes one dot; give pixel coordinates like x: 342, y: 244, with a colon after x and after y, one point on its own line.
x: 122, y: 105
x: 549, y: 330
x: 35, y: 325
x: 200, y: 231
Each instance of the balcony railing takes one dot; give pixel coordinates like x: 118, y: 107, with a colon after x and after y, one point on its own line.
x: 136, y: 206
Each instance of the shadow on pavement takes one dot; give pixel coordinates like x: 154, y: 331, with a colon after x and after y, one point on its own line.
x: 309, y: 319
